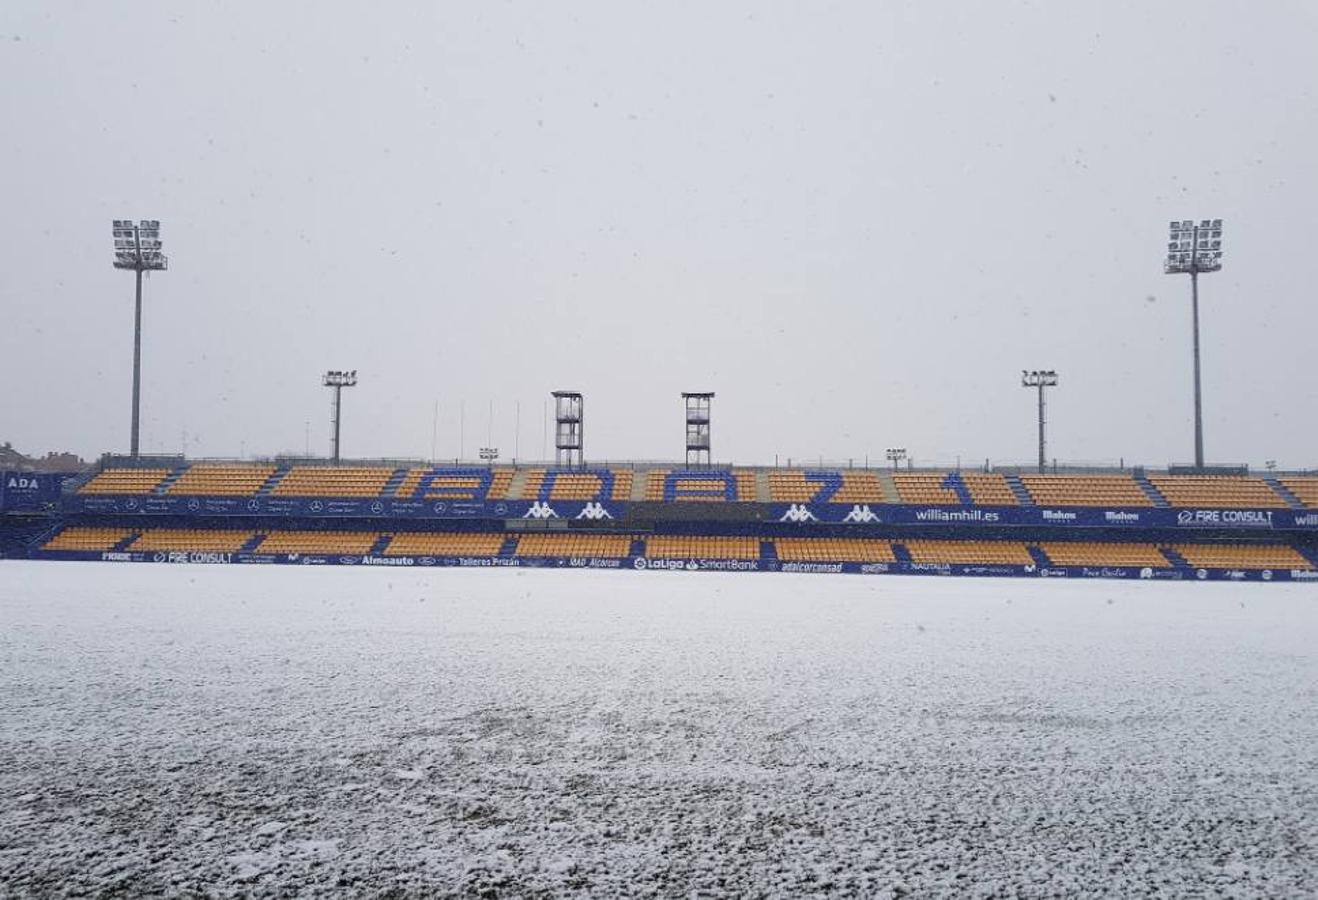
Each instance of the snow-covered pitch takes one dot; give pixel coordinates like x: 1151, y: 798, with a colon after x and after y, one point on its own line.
x: 253, y: 730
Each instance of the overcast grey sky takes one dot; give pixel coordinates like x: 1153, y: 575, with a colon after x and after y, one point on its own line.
x: 856, y: 222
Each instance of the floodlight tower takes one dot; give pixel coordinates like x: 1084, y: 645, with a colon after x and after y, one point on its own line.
x: 137, y: 247
x: 1041, y: 379
x: 339, y: 380
x: 697, y: 427
x: 1192, y: 249
x: 569, y: 429
x: 895, y: 455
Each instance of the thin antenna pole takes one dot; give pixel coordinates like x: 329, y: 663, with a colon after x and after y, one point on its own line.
x: 517, y: 430
x: 434, y: 429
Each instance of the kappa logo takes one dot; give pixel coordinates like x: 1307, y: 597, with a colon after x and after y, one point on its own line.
x: 861, y: 513
x: 798, y: 512
x: 540, y: 510
x: 594, y: 511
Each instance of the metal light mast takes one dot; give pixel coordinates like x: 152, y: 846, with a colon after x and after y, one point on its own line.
x: 339, y: 380
x: 1192, y: 249
x: 137, y: 247
x: 1040, y: 379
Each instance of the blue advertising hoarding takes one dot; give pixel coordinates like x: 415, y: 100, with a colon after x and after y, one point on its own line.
x: 663, y: 566
x: 31, y: 491
x: 1254, y: 520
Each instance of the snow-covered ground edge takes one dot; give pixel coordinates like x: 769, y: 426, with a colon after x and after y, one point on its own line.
x: 242, y: 729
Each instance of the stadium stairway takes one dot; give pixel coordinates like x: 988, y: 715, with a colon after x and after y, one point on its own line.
x: 889, y: 487
x: 170, y: 479
x: 381, y: 544
x: 508, y: 547
x: 901, y: 554
x: 1018, y: 488
x: 639, y: 479
x: 1309, y: 553
x: 1041, y: 558
x: 1286, y: 494
x: 768, y: 551
x: 127, y: 542
x: 762, y: 492
x: 637, y: 548
x: 1177, y: 560
x: 394, y: 483
x: 76, y: 483
x: 955, y: 483
x: 273, y: 481
x: 252, y: 543
x: 1149, y: 490
x: 517, y: 487
x: 40, y: 537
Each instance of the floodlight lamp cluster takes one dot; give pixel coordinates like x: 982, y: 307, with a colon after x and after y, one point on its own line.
x: 896, y: 453
x: 137, y: 245
x: 337, y: 378
x: 1038, y: 378
x: 1194, y: 248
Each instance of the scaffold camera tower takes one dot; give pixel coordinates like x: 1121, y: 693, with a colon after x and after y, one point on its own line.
x: 697, y: 428
x: 569, y: 430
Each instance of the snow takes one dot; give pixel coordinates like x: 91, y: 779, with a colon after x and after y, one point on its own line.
x: 243, y: 731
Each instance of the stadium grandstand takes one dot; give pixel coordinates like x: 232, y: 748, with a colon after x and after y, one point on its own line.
x: 1119, y: 523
